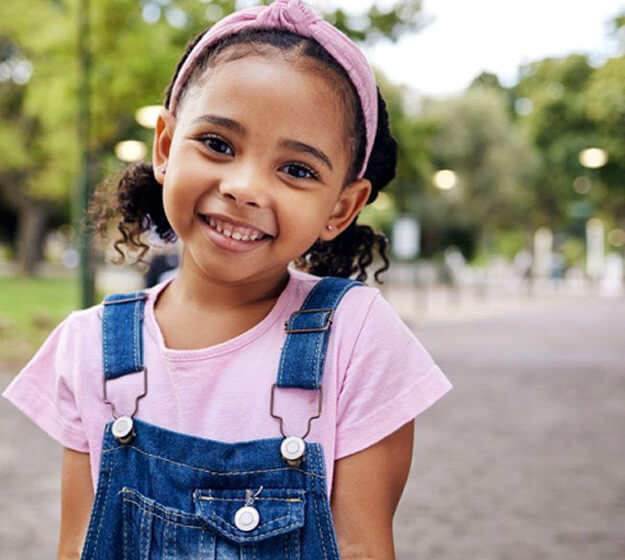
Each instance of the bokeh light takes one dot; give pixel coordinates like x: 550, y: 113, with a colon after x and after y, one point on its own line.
x: 146, y: 116
x: 593, y: 158
x: 130, y: 150
x: 445, y: 179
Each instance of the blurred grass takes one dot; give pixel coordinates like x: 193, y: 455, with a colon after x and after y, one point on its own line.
x: 30, y: 308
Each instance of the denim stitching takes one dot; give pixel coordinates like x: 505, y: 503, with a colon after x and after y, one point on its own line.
x: 323, y: 546
x: 319, y: 459
x: 125, y: 525
x: 173, y: 522
x: 298, y: 552
x: 173, y: 531
x: 105, y: 338
x: 164, y: 517
x: 289, y: 336
x: 280, y: 529
x: 168, y: 512
x: 106, y: 499
x: 218, y: 517
x: 323, y: 339
x: 146, y: 534
x: 166, y: 544
x: 200, y: 551
x: 213, y: 499
x: 96, y: 507
x: 135, y: 333
x: 230, y: 473
x: 150, y: 505
x: 330, y: 527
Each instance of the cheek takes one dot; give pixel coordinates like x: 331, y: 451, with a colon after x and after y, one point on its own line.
x: 178, y: 204
x: 304, y: 218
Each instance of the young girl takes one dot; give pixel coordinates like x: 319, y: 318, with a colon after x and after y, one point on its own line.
x: 243, y: 408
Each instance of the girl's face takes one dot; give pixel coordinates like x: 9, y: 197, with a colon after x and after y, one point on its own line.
x: 262, y: 142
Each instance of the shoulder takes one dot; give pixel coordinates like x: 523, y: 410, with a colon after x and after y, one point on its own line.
x: 362, y: 313
x: 354, y: 304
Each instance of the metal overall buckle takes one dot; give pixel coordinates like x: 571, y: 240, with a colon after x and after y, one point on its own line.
x: 293, y: 447
x: 310, y: 329
x: 123, y: 428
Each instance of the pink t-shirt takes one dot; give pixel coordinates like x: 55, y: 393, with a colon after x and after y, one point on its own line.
x: 377, y: 376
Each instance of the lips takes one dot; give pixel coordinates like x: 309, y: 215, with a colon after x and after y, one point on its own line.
x: 234, y: 223
x: 230, y: 244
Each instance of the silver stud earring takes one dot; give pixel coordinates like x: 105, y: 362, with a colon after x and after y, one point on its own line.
x: 330, y: 226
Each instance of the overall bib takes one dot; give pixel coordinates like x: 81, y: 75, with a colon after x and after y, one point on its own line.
x: 165, y: 495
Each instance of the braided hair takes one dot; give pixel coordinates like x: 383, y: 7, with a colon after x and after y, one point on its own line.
x: 135, y: 198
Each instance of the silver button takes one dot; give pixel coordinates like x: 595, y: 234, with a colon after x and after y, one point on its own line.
x: 292, y: 447
x: 123, y: 429
x: 247, y: 518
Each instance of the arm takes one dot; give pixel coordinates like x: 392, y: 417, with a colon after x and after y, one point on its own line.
x: 366, y: 490
x: 76, y: 503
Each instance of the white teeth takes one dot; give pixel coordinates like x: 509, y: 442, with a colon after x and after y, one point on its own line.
x: 234, y: 235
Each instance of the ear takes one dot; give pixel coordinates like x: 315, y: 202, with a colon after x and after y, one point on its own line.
x: 351, y: 200
x: 163, y: 135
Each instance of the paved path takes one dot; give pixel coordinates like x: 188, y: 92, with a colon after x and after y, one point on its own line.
x: 523, y: 460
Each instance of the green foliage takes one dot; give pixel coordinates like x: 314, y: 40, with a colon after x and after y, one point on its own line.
x: 492, y: 161
x: 132, y: 62
x: 575, y: 106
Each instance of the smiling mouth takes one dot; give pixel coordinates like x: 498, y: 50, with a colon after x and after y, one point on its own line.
x: 243, y: 235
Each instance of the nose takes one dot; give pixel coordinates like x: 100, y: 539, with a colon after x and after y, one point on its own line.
x: 245, y: 187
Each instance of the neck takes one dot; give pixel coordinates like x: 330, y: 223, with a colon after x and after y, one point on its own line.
x: 193, y: 287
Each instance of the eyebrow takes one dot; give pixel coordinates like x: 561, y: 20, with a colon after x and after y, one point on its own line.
x: 284, y: 142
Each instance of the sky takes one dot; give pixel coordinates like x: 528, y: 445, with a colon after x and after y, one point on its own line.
x: 466, y: 37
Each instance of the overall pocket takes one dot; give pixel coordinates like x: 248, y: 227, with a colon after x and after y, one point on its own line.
x: 273, y: 531
x: 153, y: 531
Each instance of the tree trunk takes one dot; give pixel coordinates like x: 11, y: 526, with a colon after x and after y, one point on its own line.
x: 31, y: 228
x: 33, y: 218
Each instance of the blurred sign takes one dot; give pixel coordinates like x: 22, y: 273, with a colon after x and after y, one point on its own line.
x: 406, y: 237
x: 595, y: 259
x: 543, y: 246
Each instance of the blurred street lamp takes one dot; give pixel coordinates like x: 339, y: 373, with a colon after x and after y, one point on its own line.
x: 593, y: 158
x: 130, y: 150
x: 146, y: 116
x: 445, y: 179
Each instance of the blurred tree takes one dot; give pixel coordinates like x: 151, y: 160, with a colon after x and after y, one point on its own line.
x: 551, y: 106
x: 493, y: 164
x: 135, y: 46
x: 604, y: 103
x: 413, y: 134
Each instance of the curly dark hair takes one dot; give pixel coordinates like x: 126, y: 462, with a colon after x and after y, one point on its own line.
x: 136, y: 197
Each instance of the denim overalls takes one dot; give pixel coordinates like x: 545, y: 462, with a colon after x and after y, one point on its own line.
x: 165, y: 495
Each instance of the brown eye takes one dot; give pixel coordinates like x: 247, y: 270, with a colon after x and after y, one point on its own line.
x: 216, y: 144
x: 301, y: 171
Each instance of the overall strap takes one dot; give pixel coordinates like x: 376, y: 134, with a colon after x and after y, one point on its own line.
x: 308, y: 329
x: 122, y: 335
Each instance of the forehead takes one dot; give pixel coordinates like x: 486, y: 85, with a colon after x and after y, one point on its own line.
x: 279, y: 97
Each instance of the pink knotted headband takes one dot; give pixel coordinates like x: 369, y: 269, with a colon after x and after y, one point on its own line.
x: 294, y: 16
